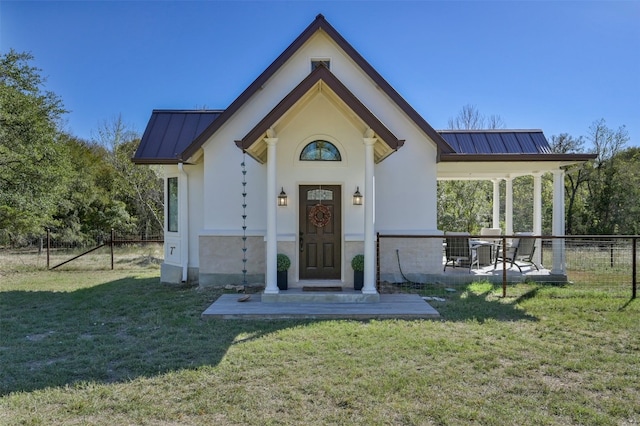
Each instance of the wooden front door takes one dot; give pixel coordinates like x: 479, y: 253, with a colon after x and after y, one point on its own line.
x: 320, y: 233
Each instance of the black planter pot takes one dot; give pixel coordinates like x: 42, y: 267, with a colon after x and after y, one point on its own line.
x: 283, y: 280
x: 358, y: 280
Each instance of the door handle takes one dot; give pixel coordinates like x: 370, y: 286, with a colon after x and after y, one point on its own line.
x: 301, y: 241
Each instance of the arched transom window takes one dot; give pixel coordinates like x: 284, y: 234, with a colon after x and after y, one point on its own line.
x: 320, y: 151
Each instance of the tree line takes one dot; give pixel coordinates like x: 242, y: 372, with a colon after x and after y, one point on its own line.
x: 81, y: 189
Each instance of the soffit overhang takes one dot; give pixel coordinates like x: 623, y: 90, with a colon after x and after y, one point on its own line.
x: 320, y: 82
x: 503, y: 166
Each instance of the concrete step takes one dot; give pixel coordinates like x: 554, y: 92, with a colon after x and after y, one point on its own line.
x: 404, y: 306
x: 296, y: 295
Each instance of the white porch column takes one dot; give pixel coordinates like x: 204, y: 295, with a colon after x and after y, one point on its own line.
x: 508, y: 209
x: 369, y: 286
x: 496, y: 204
x: 537, y: 215
x: 558, y: 222
x: 271, y: 277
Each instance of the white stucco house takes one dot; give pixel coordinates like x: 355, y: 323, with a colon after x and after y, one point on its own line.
x: 315, y: 130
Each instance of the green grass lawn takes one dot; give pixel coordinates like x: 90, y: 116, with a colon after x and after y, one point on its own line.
x: 116, y: 347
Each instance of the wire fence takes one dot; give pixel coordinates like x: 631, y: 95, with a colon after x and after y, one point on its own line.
x: 606, y: 265
x: 118, y: 251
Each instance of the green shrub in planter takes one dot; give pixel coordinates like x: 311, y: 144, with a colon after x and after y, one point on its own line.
x: 357, y: 263
x: 283, y: 266
x: 283, y: 262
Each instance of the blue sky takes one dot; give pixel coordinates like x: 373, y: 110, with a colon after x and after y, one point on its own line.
x: 557, y: 66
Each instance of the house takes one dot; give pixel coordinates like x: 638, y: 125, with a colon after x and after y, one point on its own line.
x: 313, y: 159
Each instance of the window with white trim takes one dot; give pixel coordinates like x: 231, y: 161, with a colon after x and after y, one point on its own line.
x: 172, y: 204
x: 320, y: 150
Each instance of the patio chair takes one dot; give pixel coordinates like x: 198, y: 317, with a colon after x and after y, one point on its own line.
x: 458, y: 249
x: 520, y: 250
x: 492, y: 232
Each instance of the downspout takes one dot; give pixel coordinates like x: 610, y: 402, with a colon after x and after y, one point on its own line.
x: 184, y: 223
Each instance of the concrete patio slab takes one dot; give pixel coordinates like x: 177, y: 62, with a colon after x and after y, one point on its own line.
x: 401, y: 306
x: 489, y: 273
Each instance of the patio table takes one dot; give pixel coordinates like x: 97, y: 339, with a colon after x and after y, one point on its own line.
x: 486, y: 251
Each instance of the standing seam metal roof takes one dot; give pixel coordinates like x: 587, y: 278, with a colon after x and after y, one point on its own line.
x: 170, y: 132
x: 497, y: 141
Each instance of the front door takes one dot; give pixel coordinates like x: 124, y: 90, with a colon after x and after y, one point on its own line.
x: 320, y: 232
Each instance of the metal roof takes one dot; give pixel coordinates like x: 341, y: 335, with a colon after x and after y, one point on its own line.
x: 497, y: 141
x: 503, y: 146
x: 170, y: 132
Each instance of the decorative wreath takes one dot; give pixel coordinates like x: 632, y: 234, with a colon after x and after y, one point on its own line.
x: 319, y: 215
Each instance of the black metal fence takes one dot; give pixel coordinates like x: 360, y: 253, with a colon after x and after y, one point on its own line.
x: 603, y: 263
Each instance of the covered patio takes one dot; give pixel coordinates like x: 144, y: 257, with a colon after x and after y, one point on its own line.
x: 402, y: 266
x: 501, y: 156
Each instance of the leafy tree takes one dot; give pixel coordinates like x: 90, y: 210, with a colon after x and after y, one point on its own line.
x: 575, y: 178
x: 89, y: 209
x: 606, y: 190
x: 33, y: 161
x: 602, y: 195
x: 52, y: 179
x: 628, y: 211
x: 522, y: 187
x: 138, y: 186
x: 463, y: 205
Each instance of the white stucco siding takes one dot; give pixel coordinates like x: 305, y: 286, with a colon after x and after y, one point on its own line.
x: 223, y: 188
x: 196, y: 212
x: 406, y: 191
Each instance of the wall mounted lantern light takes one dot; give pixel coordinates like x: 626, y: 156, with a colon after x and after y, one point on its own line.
x: 357, y: 197
x: 282, y: 198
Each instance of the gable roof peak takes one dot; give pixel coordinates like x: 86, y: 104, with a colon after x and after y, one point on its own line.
x: 320, y: 80
x: 320, y: 23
